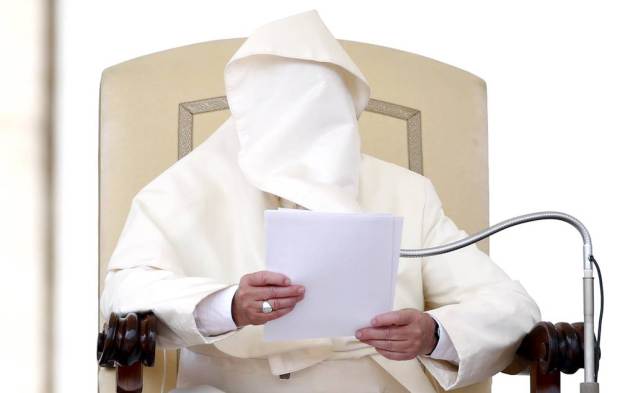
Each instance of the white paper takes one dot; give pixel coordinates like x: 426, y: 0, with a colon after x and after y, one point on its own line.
x: 347, y: 262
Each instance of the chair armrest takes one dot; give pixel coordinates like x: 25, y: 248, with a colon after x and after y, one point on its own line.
x: 126, y: 343
x: 547, y: 351
x: 552, y: 347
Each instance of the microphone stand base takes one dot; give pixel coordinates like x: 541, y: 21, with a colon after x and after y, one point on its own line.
x: 588, y: 387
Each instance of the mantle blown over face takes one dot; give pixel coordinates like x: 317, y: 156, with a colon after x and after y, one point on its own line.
x: 295, y: 108
x: 298, y: 133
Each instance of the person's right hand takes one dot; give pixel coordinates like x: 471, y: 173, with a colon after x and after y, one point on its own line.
x: 254, y: 288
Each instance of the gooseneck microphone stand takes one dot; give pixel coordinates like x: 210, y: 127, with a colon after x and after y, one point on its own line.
x: 590, y: 384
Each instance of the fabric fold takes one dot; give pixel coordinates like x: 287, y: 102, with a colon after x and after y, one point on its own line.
x: 296, y: 96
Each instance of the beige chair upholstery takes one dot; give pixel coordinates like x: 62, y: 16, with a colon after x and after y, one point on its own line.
x: 424, y: 114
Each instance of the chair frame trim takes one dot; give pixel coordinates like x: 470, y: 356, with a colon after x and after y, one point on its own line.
x: 411, y: 116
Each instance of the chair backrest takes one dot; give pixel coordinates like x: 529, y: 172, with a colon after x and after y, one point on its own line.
x: 425, y: 115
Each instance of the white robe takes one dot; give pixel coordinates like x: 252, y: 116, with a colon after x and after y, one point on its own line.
x: 200, y: 223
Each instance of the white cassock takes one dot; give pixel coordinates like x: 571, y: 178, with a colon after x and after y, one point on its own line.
x: 295, y: 97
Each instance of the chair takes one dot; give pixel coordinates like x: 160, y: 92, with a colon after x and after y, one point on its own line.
x: 424, y: 115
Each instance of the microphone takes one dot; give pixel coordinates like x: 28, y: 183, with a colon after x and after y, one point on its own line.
x: 590, y: 384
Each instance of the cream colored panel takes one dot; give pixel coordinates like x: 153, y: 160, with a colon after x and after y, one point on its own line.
x: 206, y: 123
x: 384, y: 137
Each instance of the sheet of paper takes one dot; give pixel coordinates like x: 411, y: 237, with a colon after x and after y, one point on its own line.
x: 347, y: 261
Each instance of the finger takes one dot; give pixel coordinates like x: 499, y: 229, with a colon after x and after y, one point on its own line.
x: 266, y: 317
x: 264, y: 277
x: 389, y: 345
x: 395, y: 355
x: 278, y: 303
x: 400, y: 317
x: 273, y: 292
x: 382, y: 333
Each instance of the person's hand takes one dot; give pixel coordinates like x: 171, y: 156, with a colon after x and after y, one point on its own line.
x: 400, y: 335
x: 254, y: 288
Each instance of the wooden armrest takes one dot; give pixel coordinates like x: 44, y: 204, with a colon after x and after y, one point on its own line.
x: 547, y: 351
x: 126, y: 343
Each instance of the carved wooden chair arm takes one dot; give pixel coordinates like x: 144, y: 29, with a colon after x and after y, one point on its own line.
x: 127, y: 343
x: 547, y: 351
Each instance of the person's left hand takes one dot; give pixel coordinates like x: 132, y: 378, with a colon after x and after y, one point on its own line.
x: 400, y: 335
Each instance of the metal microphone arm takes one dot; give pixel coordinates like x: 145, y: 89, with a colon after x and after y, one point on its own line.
x: 589, y: 384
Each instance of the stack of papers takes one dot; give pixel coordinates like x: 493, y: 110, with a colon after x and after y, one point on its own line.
x: 347, y: 262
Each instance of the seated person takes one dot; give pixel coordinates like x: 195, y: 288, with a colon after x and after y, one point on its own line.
x: 192, y: 248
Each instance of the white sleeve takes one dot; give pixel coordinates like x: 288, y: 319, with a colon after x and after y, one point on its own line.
x: 214, y: 313
x: 444, y: 350
x: 173, y: 298
x: 486, y: 312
